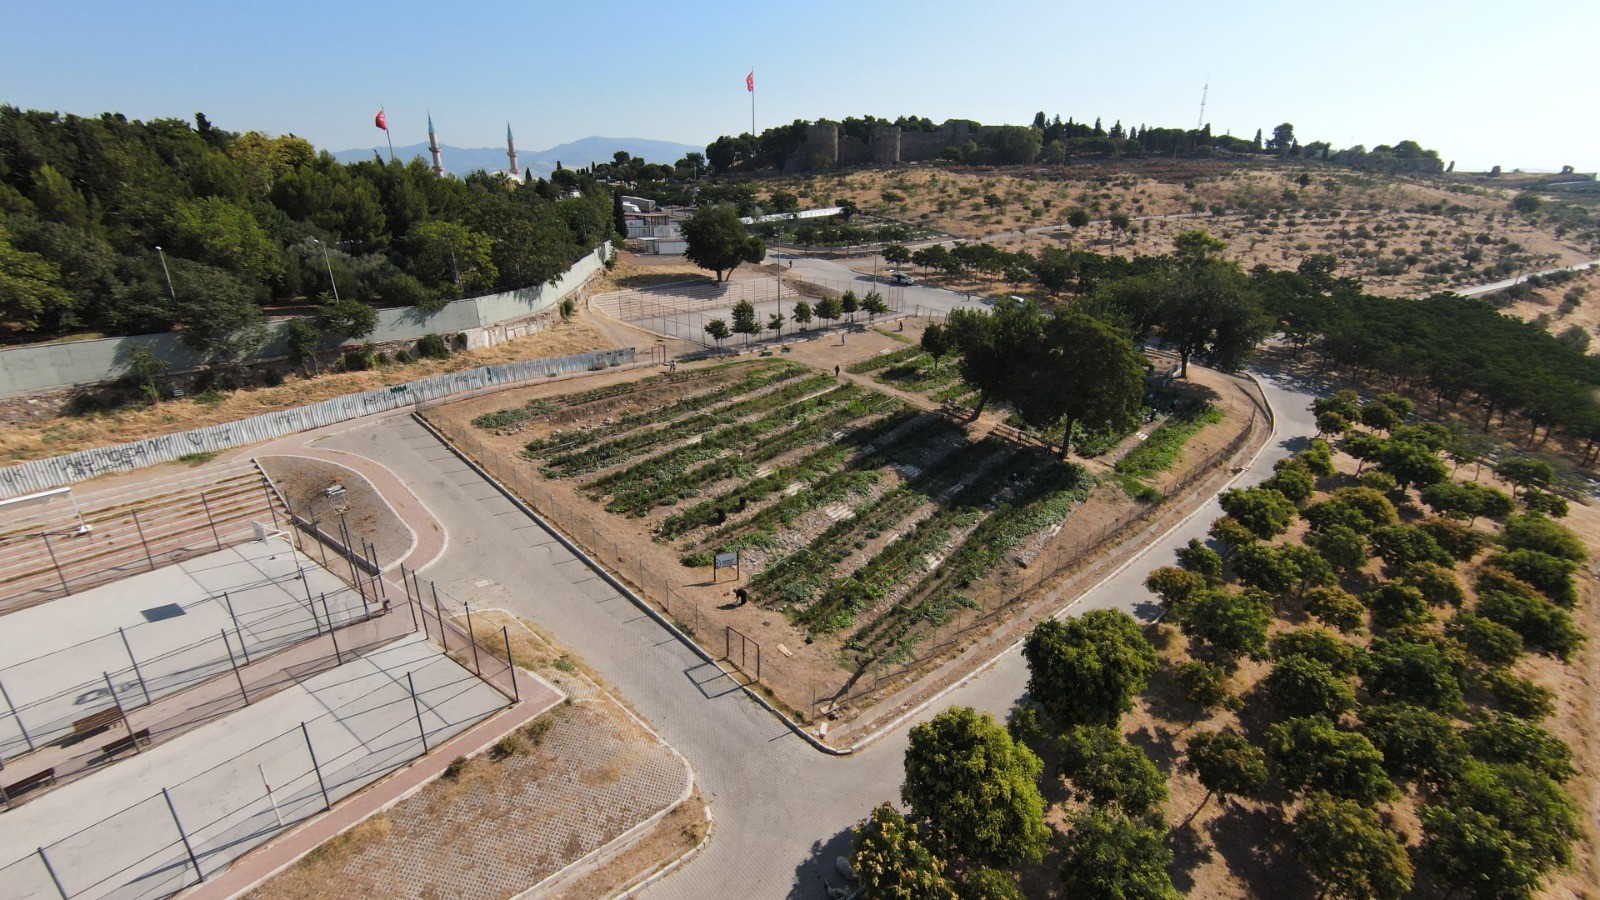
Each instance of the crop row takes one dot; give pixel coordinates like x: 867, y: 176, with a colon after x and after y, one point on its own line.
x: 590, y: 459
x: 1042, y: 502
x: 1161, y: 450
x: 794, y: 579
x: 848, y: 404
x: 757, y: 380
x: 540, y: 406
x: 857, y: 477
x: 814, y: 465
x: 883, y: 360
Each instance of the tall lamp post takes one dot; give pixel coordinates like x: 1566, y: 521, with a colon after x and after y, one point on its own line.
x: 166, y: 272
x: 325, y: 262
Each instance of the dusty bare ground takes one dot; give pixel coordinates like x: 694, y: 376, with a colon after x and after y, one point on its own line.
x: 547, y: 794
x: 801, y: 675
x: 52, y: 437
x: 1266, y: 215
x: 303, y: 481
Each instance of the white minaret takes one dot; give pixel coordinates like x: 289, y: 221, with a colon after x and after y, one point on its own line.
x: 433, y: 148
x: 511, y: 151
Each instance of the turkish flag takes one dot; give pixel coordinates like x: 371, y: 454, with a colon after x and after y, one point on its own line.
x: 379, y: 121
x: 750, y: 81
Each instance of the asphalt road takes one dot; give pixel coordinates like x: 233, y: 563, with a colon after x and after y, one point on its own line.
x: 783, y: 810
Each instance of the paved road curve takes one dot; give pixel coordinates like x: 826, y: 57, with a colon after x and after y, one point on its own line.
x: 783, y: 810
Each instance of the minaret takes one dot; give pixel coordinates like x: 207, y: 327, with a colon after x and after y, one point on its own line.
x: 511, y: 151
x: 433, y: 148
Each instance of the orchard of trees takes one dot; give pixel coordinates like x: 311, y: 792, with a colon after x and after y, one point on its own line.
x: 244, y: 221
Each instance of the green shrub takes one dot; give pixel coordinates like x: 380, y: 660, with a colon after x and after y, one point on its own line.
x: 432, y: 346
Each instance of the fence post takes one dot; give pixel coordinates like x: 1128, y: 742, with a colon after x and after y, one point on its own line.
x: 51, y: 550
x: 136, y: 673
x: 326, y: 803
x: 117, y: 704
x: 472, y: 637
x: 54, y: 878
x: 311, y: 602
x: 332, y: 633
x: 444, y: 636
x: 186, y: 846
x: 416, y: 707
x: 511, y: 667
x: 16, y: 715
x: 235, y: 663
x: 146, y: 544
x: 210, y: 521
x: 273, y: 510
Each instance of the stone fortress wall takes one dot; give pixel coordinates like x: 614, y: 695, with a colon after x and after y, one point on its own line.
x: 826, y: 148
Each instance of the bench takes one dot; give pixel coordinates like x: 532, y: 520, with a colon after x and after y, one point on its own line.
x: 126, y: 742
x: 48, y: 776
x: 99, y: 721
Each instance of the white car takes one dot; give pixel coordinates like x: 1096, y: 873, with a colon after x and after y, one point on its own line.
x: 901, y: 278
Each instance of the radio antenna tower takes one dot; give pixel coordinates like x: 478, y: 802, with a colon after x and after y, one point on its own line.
x: 1201, y: 123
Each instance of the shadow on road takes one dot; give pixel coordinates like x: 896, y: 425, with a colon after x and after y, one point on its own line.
x: 818, y: 875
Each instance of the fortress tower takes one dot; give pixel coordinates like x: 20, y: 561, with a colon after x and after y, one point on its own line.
x: 433, y: 148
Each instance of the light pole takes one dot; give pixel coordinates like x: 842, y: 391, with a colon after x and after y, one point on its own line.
x: 330, y: 268
x: 165, y: 271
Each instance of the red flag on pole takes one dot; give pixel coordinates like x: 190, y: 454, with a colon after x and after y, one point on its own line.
x: 379, y: 121
x: 750, y: 81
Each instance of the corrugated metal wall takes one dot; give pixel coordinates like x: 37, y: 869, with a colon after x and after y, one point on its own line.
x: 43, y: 474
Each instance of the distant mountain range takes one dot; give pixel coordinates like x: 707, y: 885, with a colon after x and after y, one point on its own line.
x: 462, y: 160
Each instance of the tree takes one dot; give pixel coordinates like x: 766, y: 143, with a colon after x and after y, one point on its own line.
x: 1313, y: 755
x: 974, y: 788
x: 775, y: 324
x: 1342, y: 546
x: 718, y: 330
x: 1413, y: 465
x: 1417, y: 744
x: 1232, y: 535
x: 1077, y: 217
x: 1523, y: 472
x: 1080, y: 373
x: 1282, y: 139
x: 1415, y: 672
x: 1544, y: 627
x: 849, y: 304
x: 874, y: 306
x: 1204, y: 684
x: 1226, y: 764
x: 744, y: 320
x: 1264, y: 511
x: 717, y: 240
x: 1499, y: 830
x: 1202, y: 560
x: 1467, y: 500
x: 1402, y: 545
x: 1110, y: 857
x: 451, y: 258
x: 1210, y: 308
x: 896, y: 255
x: 1395, y: 604
x: 1532, y: 531
x: 829, y: 309
x: 1349, y: 850
x: 1226, y: 625
x: 1106, y: 771
x: 1489, y: 642
x: 801, y: 314
x: 346, y: 318
x: 935, y: 342
x: 1174, y: 585
x: 302, y: 339
x: 29, y: 285
x: 1508, y: 739
x: 1336, y: 608
x: 1087, y: 670
x: 893, y: 862
x: 1300, y: 686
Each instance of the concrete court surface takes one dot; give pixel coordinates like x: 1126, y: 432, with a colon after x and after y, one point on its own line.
x: 55, y: 655
x: 112, y: 834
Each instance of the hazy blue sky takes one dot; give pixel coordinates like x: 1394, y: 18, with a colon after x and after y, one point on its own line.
x: 1483, y: 83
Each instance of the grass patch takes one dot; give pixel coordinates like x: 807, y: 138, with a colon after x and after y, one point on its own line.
x: 1161, y: 451
x: 198, y: 459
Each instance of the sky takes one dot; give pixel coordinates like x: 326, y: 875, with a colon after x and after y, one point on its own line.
x: 1484, y: 83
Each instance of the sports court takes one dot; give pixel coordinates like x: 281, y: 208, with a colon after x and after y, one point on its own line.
x: 131, y: 642
x: 234, y: 783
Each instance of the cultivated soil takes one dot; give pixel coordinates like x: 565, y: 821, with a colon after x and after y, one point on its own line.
x: 809, y: 669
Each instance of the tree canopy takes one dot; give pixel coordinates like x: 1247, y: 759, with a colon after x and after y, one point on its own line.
x: 1087, y: 670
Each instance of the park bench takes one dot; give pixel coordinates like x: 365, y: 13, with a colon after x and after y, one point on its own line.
x: 126, y: 742
x: 47, y: 776
x: 96, y: 722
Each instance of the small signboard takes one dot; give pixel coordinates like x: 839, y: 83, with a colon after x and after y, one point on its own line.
x: 725, y: 561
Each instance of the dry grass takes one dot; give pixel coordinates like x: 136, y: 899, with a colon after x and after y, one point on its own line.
x: 66, y: 435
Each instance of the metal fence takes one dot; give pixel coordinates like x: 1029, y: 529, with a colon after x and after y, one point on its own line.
x: 683, y: 310
x: 43, y: 474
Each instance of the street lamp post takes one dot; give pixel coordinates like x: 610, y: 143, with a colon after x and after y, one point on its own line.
x: 168, y: 273
x: 325, y: 262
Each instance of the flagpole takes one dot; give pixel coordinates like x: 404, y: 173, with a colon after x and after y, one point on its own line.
x: 391, y: 144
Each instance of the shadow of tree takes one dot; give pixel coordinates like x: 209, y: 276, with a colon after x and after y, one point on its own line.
x: 1255, y: 844
x: 818, y: 874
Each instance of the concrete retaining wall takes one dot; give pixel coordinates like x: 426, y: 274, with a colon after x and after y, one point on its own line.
x: 52, y: 366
